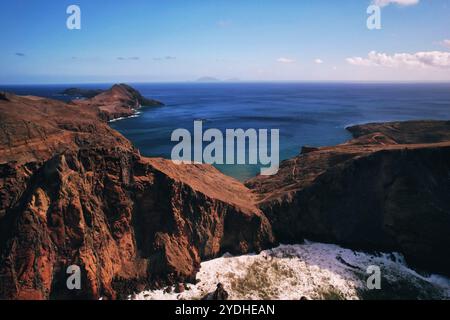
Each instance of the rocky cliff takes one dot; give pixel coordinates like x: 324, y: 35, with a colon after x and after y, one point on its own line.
x: 387, y: 189
x: 120, y: 100
x: 75, y: 192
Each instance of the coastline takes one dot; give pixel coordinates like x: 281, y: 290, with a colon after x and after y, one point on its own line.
x: 136, y: 114
x: 117, y: 192
x: 312, y: 271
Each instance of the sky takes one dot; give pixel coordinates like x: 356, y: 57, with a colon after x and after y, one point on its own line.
x: 249, y: 40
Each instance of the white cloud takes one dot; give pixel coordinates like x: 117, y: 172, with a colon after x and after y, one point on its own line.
x: 437, y: 59
x: 318, y: 61
x: 403, y: 3
x: 446, y: 43
x: 285, y: 60
x: 358, y: 61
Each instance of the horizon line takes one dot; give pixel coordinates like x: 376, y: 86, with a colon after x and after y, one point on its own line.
x: 230, y: 82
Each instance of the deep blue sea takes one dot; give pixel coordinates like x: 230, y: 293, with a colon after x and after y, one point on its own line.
x: 305, y: 113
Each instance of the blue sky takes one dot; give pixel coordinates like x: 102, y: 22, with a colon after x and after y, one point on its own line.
x: 176, y: 40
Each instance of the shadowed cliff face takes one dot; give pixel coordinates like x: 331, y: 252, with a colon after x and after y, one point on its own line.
x: 74, y: 191
x: 388, y: 189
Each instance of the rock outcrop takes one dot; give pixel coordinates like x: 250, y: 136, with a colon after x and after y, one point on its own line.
x: 119, y: 101
x: 387, y: 189
x: 75, y: 192
x: 82, y: 93
x: 219, y: 294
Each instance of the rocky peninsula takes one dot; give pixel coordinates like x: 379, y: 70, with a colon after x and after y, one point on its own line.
x: 75, y: 191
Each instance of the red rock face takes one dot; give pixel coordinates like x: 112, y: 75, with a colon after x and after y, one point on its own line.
x: 385, y: 190
x: 74, y: 191
x: 119, y: 101
x: 182, y: 205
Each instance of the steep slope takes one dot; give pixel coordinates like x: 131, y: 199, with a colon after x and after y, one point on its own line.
x: 74, y: 191
x: 120, y: 100
x: 387, y: 189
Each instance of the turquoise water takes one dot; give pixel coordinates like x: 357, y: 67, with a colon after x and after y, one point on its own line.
x: 305, y: 113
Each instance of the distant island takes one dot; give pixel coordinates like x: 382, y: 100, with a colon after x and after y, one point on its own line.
x: 233, y: 80
x: 208, y: 79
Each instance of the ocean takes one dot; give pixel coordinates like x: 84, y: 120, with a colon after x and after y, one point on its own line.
x: 313, y: 114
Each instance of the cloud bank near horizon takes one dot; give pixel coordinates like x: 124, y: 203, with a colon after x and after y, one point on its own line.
x: 436, y: 59
x: 403, y: 3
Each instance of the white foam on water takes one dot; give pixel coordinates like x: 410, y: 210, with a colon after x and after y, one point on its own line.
x: 135, y: 115
x: 311, y: 270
